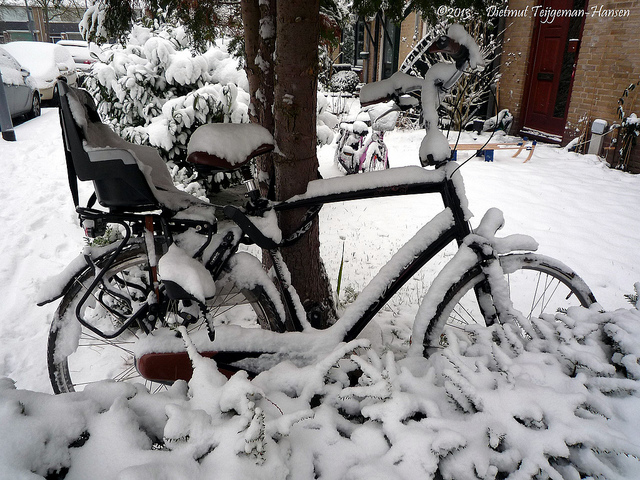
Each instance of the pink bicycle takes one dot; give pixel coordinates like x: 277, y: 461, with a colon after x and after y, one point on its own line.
x: 358, y: 151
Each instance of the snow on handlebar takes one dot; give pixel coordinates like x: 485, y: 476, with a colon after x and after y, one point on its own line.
x: 439, y: 78
x: 398, y: 84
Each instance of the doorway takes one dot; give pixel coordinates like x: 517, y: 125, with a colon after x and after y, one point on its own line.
x: 554, y: 54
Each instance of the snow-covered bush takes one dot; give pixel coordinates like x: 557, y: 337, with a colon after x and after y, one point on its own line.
x: 155, y: 91
x: 561, y: 404
x: 345, y: 81
x: 325, y: 121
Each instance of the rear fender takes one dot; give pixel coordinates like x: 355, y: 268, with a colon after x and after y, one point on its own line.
x: 58, y: 285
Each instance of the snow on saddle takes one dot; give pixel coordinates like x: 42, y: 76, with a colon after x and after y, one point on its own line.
x: 223, y: 147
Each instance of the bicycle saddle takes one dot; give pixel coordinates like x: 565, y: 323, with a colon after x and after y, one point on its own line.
x: 228, y: 146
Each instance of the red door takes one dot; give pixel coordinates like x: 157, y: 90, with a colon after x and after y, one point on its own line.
x: 554, y: 54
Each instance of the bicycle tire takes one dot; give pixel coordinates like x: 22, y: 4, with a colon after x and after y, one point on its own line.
x: 374, y: 160
x: 541, y: 282
x: 376, y: 164
x: 76, y: 356
x: 345, y: 167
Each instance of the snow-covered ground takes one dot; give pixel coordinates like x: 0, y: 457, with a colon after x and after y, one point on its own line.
x: 580, y: 212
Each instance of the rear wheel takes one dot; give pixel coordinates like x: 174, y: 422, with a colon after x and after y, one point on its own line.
x: 77, y: 356
x: 537, y: 285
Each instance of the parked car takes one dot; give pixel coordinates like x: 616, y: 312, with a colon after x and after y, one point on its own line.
x: 82, y: 52
x: 47, y: 63
x: 22, y: 95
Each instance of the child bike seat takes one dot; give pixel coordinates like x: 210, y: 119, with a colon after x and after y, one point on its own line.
x: 224, y: 147
x: 127, y: 177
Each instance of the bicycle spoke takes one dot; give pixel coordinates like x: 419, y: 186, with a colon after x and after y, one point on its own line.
x: 155, y: 387
x: 128, y: 374
x: 543, y: 294
x: 458, y: 315
x: 99, y: 341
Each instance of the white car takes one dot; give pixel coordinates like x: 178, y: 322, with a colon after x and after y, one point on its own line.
x: 22, y: 96
x: 46, y: 62
x: 83, y: 53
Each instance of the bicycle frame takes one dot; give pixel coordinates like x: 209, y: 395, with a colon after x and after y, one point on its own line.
x: 286, y: 333
x: 254, y: 349
x: 376, y: 137
x: 240, y: 349
x: 347, y: 158
x: 435, y: 181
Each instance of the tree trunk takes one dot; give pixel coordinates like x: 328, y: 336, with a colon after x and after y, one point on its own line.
x: 296, y: 164
x: 47, y: 26
x: 259, y: 20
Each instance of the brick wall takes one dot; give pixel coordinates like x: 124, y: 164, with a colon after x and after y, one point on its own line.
x: 409, y: 37
x: 609, y: 60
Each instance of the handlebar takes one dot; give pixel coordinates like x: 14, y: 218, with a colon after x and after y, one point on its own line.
x: 459, y: 53
x: 440, y: 78
x: 400, y: 85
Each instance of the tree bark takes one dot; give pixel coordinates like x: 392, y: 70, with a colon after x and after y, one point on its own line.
x: 259, y: 20
x: 296, y: 163
x: 288, y: 109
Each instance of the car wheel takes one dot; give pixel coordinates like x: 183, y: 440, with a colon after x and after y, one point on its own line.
x: 35, y: 106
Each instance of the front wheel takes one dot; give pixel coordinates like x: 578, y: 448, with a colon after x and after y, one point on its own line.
x: 537, y: 285
x: 77, y: 356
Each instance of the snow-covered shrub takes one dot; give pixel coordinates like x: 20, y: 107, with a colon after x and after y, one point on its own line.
x: 629, y: 130
x: 345, y: 81
x: 561, y: 404
x: 325, y: 122
x: 101, y: 17
x: 155, y: 91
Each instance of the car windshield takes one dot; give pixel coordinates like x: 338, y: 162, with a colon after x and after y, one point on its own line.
x: 80, y: 50
x: 11, y: 70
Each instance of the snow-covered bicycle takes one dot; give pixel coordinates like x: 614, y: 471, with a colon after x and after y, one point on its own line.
x: 358, y: 151
x: 178, y: 268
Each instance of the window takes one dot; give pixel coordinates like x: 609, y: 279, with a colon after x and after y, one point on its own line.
x: 390, y: 50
